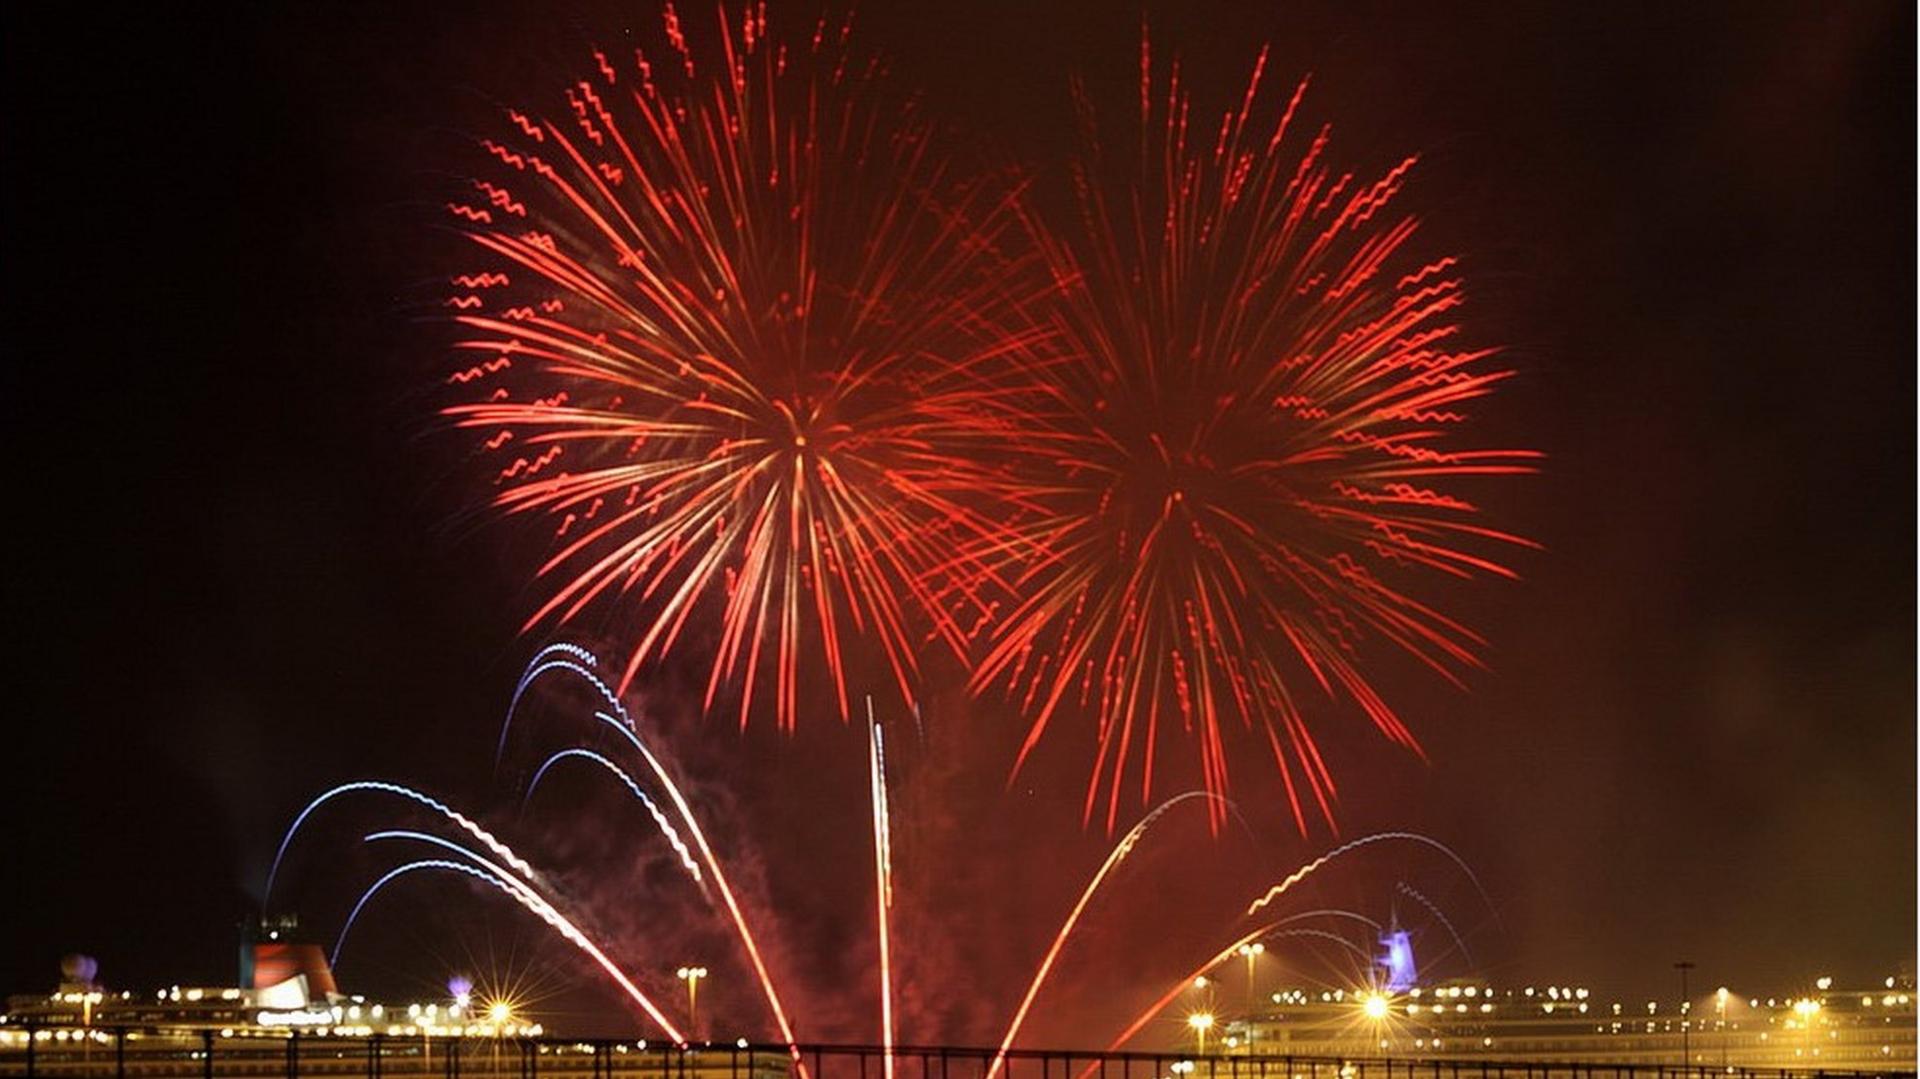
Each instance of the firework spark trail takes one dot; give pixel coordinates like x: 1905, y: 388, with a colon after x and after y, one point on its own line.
x: 739, y: 918
x: 622, y: 724
x: 660, y: 819
x: 1114, y: 858
x: 1271, y: 928
x: 540, y: 665
x: 462, y: 822
x: 522, y: 893
x: 1458, y: 941
x: 1359, y: 952
x: 1233, y: 454
x: 1307, y: 870
x: 883, y: 881
x: 736, y: 316
x: 340, y: 942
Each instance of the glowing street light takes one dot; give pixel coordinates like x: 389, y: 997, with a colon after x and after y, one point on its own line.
x: 692, y: 976
x: 1251, y: 952
x: 1201, y: 1022
x: 1686, y: 1019
x: 1719, y: 1003
x: 1374, y: 1006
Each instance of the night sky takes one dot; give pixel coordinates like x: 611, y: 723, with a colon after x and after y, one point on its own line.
x: 241, y: 565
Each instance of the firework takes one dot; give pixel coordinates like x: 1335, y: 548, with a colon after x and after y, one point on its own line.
x: 723, y: 341
x: 1114, y: 858
x: 1236, y: 455
x: 516, y: 879
x: 471, y: 850
x: 582, y: 664
x: 883, y: 881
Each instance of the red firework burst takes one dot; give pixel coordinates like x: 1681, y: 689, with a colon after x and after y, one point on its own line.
x: 724, y: 341
x: 1234, y: 459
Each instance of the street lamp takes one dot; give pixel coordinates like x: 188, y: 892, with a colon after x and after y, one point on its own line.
x: 692, y: 976
x: 1686, y: 1058
x: 1720, y: 1004
x: 1201, y: 1022
x: 1252, y: 952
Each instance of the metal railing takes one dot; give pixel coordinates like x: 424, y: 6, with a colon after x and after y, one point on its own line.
x: 178, y: 1054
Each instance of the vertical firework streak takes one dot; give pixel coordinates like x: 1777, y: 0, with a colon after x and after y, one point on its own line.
x: 1237, y: 450
x: 1114, y: 858
x: 883, y: 881
x: 727, y: 331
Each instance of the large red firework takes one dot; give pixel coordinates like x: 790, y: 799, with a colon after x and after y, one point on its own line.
x: 1234, y: 460
x: 723, y: 343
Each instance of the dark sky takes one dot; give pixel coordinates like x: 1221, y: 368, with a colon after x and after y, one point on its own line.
x: 238, y: 571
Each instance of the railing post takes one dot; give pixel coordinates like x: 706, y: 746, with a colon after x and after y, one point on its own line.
x: 120, y: 1052
x: 206, y: 1053
x: 293, y: 1054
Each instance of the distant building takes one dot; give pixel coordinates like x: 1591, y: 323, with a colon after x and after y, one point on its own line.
x: 284, y: 984
x: 1834, y: 1028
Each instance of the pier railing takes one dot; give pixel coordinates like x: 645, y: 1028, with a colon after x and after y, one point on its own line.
x: 209, y: 1054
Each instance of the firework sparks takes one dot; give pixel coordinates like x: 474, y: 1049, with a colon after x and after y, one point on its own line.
x: 374, y: 786
x: 660, y: 820
x: 621, y: 723
x: 1286, y: 883
x: 1236, y: 455
x: 1114, y: 858
x: 883, y: 881
x: 724, y: 341
x: 522, y: 893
